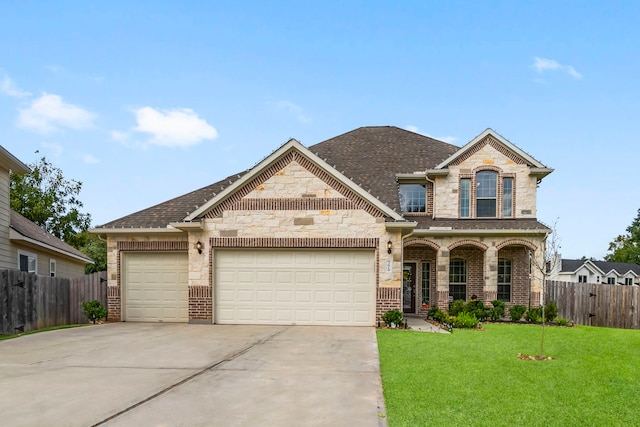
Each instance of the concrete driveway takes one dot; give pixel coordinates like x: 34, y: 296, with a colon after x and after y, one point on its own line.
x: 126, y: 374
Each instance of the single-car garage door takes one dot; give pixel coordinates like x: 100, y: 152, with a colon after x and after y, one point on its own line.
x: 295, y: 287
x: 155, y: 287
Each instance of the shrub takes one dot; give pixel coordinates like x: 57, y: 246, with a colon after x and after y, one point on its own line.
x: 393, y: 318
x: 516, y: 312
x: 561, y: 321
x: 432, y: 312
x: 534, y: 315
x: 94, y: 310
x: 497, y: 311
x: 550, y: 311
x: 465, y: 320
x: 456, y: 307
x: 477, y: 308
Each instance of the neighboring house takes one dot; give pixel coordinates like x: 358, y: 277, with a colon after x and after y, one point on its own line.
x: 589, y: 271
x: 26, y: 246
x: 337, y: 233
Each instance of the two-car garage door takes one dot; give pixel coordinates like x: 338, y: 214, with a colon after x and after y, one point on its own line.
x: 295, y: 286
x: 256, y: 286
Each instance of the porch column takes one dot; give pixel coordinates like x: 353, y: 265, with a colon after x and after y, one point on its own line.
x: 442, y: 292
x: 490, y: 274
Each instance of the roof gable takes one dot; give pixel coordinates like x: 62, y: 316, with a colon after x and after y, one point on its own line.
x: 291, y: 151
x: 501, y: 144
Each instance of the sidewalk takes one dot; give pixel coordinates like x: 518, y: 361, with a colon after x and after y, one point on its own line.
x: 419, y: 324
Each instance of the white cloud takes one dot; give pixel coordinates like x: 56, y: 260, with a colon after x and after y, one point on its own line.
x: 412, y: 128
x: 170, y: 128
x: 9, y: 88
x: 89, y: 159
x: 49, y: 113
x: 293, y: 109
x: 544, y: 64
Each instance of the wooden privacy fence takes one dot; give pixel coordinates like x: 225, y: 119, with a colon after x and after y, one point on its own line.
x: 29, y: 301
x: 596, y: 304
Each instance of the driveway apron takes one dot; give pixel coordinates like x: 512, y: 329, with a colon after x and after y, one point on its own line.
x: 125, y: 374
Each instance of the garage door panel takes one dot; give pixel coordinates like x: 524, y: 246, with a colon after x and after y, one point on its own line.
x: 156, y: 287
x: 295, y: 287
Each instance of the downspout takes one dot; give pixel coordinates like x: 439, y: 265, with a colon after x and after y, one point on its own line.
x: 433, y: 213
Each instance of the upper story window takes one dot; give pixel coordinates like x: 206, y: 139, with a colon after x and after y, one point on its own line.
x: 582, y: 278
x: 507, y: 197
x: 628, y: 281
x: 413, y: 197
x: 486, y: 194
x: 611, y: 280
x: 27, y: 262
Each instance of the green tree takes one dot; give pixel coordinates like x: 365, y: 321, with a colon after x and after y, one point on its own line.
x: 626, y: 247
x: 95, y: 248
x: 47, y: 198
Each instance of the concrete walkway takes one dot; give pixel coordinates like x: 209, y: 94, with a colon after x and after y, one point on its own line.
x: 419, y: 324
x: 126, y: 374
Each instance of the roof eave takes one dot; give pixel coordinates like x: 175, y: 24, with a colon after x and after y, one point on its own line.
x: 12, y: 162
x: 14, y: 235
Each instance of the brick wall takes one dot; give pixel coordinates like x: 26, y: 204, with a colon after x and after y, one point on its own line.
x: 387, y: 299
x: 200, y: 303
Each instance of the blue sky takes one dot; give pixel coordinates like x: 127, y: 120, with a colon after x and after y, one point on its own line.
x: 144, y: 101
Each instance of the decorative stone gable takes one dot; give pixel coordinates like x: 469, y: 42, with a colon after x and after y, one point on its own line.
x: 489, y: 141
x: 294, y: 182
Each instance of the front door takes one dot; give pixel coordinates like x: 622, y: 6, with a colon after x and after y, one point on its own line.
x: 409, y: 287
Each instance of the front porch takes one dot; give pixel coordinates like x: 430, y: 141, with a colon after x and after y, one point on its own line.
x: 436, y: 272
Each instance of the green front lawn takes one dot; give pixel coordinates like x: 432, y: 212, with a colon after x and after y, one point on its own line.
x: 474, y: 378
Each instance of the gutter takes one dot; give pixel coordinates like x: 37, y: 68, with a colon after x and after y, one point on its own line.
x: 134, y: 230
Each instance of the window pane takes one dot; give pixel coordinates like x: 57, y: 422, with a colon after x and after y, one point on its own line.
x: 486, y: 208
x: 465, y: 196
x: 507, y: 197
x: 413, y: 197
x: 426, y: 281
x: 458, y: 279
x: 504, y: 280
x: 486, y: 182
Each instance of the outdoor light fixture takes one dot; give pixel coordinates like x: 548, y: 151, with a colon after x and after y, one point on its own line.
x: 199, y: 246
x: 389, y: 245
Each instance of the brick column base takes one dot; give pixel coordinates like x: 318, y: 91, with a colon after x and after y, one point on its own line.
x: 387, y: 299
x: 114, y: 305
x: 200, y: 304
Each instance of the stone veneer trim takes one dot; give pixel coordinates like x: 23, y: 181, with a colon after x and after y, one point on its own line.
x: 468, y: 242
x: 294, y: 242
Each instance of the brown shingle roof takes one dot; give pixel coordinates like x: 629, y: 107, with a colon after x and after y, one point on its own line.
x: 33, y: 231
x: 174, y: 210
x: 373, y: 155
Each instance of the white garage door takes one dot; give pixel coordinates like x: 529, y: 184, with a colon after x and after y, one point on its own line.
x: 155, y: 287
x: 295, y: 287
